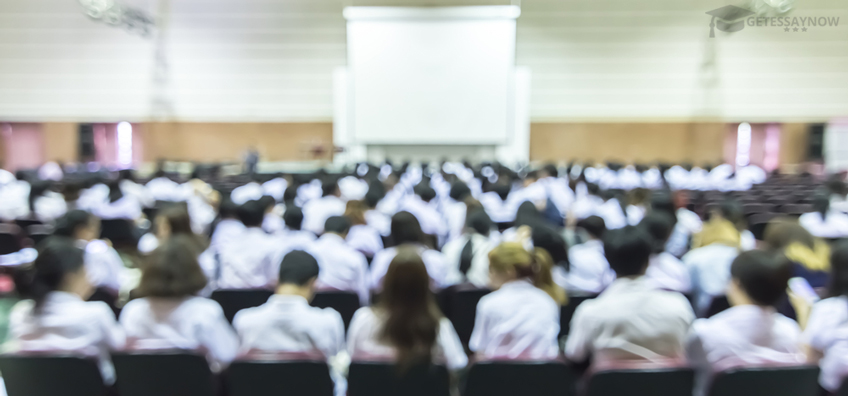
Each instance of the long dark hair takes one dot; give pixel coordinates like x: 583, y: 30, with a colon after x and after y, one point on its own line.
x: 67, y: 225
x: 172, y: 271
x: 405, y: 228
x: 57, y: 257
x: 36, y: 190
x: 412, y: 317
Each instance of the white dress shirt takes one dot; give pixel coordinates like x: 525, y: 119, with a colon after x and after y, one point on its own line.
x: 225, y: 232
x: 342, y: 267
x: 478, y: 273
x: 496, y: 208
x: 430, y: 219
x: 518, y: 321
x: 631, y: 319
x: 273, y: 223
x: 125, y: 208
x: 103, y: 265
x: 50, y: 206
x: 688, y: 223
x: 834, y: 225
x: 140, y: 192
x: 364, y: 341
x: 380, y: 221
x: 365, y: 239
x: 69, y: 324
x: 353, y: 188
x: 247, y: 192
x: 437, y: 267
x: 589, y: 270
x: 276, y: 188
x: 454, y: 215
x: 93, y: 197
x: 709, y: 268
x: 15, y: 198
x: 191, y: 323
x: 827, y: 332
x: 669, y: 273
x: 317, y: 211
x: 250, y: 261
x: 585, y: 206
x: 165, y: 189
x: 558, y: 192
x: 747, y: 241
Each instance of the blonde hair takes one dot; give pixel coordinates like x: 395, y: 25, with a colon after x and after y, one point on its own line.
x: 535, y: 265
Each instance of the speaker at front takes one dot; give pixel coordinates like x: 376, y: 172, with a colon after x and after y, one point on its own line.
x: 87, y: 152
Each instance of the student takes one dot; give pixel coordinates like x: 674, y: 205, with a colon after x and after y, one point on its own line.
x: 495, y: 202
x: 631, y: 319
x: 520, y: 320
x: 468, y: 255
x: 407, y: 231
x: 666, y: 271
x: 171, y: 220
x: 162, y: 188
x: 54, y: 316
x: 422, y: 205
x: 104, y: 266
x: 362, y: 237
x: 810, y: 255
x: 373, y: 217
x: 118, y: 205
x: 272, y: 223
x: 248, y: 192
x: 454, y: 208
x: 250, y: 260
x: 751, y: 333
x: 406, y: 325
x: 129, y: 186
x: 342, y: 267
x: 709, y: 265
x: 823, y: 222
x: 317, y: 211
x: 169, y: 315
x: 45, y: 204
x: 14, y: 197
x: 293, y: 236
x: 228, y: 227
x: 588, y: 272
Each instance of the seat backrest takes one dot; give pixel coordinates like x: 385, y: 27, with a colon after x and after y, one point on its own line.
x: 232, y: 300
x: 462, y: 311
x: 9, y: 238
x: 642, y: 382
x: 259, y: 378
x: 520, y: 378
x: 567, y: 312
x: 386, y: 379
x: 51, y: 376
x: 118, y: 231
x: 772, y: 381
x: 163, y: 374
x: 39, y: 232
x: 345, y: 303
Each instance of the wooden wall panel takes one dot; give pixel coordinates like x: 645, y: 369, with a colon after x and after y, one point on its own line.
x: 61, y: 141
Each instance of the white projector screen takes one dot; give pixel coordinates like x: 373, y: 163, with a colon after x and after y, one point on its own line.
x: 431, y: 75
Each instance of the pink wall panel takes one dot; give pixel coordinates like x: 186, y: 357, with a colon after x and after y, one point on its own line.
x: 24, y: 145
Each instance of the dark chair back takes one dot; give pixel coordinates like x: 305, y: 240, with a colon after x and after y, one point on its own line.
x: 460, y: 305
x: 843, y: 389
x: 163, y: 374
x: 10, y: 241
x: 119, y: 231
x: 233, y: 300
x: 345, y: 303
x: 39, y: 232
x: 26, y: 223
x: 385, y: 379
x: 260, y: 378
x: 567, y: 312
x: 772, y: 381
x: 51, y: 376
x: 520, y: 378
x: 642, y: 382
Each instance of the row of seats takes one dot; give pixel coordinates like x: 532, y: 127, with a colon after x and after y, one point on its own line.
x: 181, y: 374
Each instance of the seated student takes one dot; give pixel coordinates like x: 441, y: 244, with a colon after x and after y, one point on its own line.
x: 631, y: 319
x: 825, y: 222
x: 497, y: 204
x: 709, y: 265
x: 752, y: 332
x: 169, y: 315
x: 454, y: 208
x: 293, y: 236
x: 248, y: 192
x: 317, y: 211
x: 118, y: 205
x: 54, y: 315
x: 406, y: 325
x: 422, y: 205
x: 407, y: 231
x: 44, y: 203
x: 129, y: 186
x: 273, y: 222
x: 520, y: 320
x: 103, y: 265
x: 229, y: 226
x: 14, y: 197
x: 665, y: 270
x: 589, y: 271
x: 468, y: 255
x: 362, y: 237
x: 810, y: 256
x: 373, y: 217
x: 250, y: 259
x: 162, y: 188
x: 342, y: 267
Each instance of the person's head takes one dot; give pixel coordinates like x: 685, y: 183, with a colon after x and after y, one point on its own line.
x: 782, y: 232
x: 527, y: 214
x: 115, y: 192
x: 172, y: 270
x: 71, y: 190
x: 376, y: 192
x: 330, y: 187
x: 758, y: 277
x: 173, y: 220
x: 552, y: 242
x: 628, y: 250
x: 228, y: 209
x: 838, y: 284
x: 127, y: 174
x: 424, y: 191
x: 509, y: 262
x: 78, y: 224
x: 662, y: 201
x: 338, y: 225
x: 502, y: 189
x: 298, y: 273
x: 290, y: 195
x: 293, y: 218
x: 459, y: 191
x: 659, y: 226
x: 479, y: 222
x: 355, y: 212
x: 732, y: 211
x: 412, y: 317
x: 549, y: 170
x: 405, y: 228
x: 821, y: 204
x: 595, y: 226
x: 251, y: 213
x: 60, y: 266
x: 267, y: 202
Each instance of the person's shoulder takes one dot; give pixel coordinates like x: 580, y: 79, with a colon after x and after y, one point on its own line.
x: 327, y: 316
x: 830, y: 306
x: 202, y: 306
x: 786, y: 326
x: 362, y: 316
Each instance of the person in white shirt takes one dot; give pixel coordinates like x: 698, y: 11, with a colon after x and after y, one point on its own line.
x: 272, y: 223
x: 406, y: 325
x: 824, y: 222
x: 468, y: 255
x: 588, y: 271
x: 118, y: 205
x: 666, y: 271
x: 250, y: 259
x: 248, y: 192
x: 162, y: 188
x: 293, y: 237
x: 407, y: 231
x: 104, y: 267
x: 342, y: 267
x: 751, y: 333
x: 317, y: 211
x: 276, y: 187
x: 14, y: 197
x: 422, y: 205
x: 495, y: 201
x: 229, y: 226
x: 45, y: 204
x: 709, y: 262
x: 54, y: 316
x: 520, y: 320
x: 169, y: 315
x: 129, y: 186
x: 362, y: 237
x: 631, y: 319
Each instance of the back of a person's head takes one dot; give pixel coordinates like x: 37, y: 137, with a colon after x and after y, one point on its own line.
x: 37, y: 190
x: 330, y: 186
x: 662, y: 201
x: 527, y: 214
x: 628, y: 250
x: 115, y: 192
x: 290, y: 194
x: 293, y: 217
x: 376, y: 192
x: 71, y: 222
x: 659, y: 226
x: 177, y: 217
x: 502, y: 189
x: 763, y: 276
x: 554, y: 244
x: 593, y: 189
x: 126, y: 174
x: 71, y: 190
x: 267, y: 202
x: 355, y: 212
x: 821, y: 203
x: 57, y: 258
x: 405, y: 228
x: 535, y: 266
x: 459, y: 191
x: 337, y: 225
x: 550, y: 170
x: 782, y: 232
x: 172, y: 270
x: 228, y: 209
x: 251, y: 213
x: 838, y: 283
x: 595, y: 226
x: 424, y: 191
x: 732, y: 211
x: 479, y: 222
x: 298, y: 268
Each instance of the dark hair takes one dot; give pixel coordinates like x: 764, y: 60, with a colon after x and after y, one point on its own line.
x: 659, y: 226
x: 293, y: 217
x: 412, y: 317
x: 627, y: 250
x: 57, y: 257
x: 68, y: 224
x: 821, y: 204
x: 551, y: 170
x: 297, y: 268
x: 228, y: 209
x: 128, y: 174
x: 266, y: 201
x: 329, y: 187
x: 762, y: 275
x: 459, y: 191
x: 838, y: 284
x: 553, y: 243
x: 376, y: 192
x: 502, y: 190
x: 479, y: 221
x: 36, y: 190
x: 424, y: 191
x: 251, y: 213
x: 178, y: 219
x: 663, y: 202
x: 527, y: 214
x: 289, y: 195
x: 337, y: 224
x: 172, y: 270
x: 594, y: 225
x: 405, y: 228
x: 71, y: 190
x: 115, y: 192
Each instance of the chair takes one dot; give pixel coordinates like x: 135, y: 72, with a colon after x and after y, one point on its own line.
x: 345, y: 303
x: 642, y: 382
x: 567, y: 312
x: 26, y: 223
x: 51, y: 376
x: 290, y: 378
x: 461, y: 307
x: 757, y: 224
x: 843, y: 389
x: 39, y: 232
x: 234, y: 300
x: 384, y: 379
x: 520, y: 378
x: 119, y: 231
x: 163, y: 374
x: 9, y: 238
x: 772, y: 381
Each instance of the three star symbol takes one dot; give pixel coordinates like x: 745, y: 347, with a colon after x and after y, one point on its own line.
x: 794, y: 29
x: 803, y: 29
x: 786, y: 29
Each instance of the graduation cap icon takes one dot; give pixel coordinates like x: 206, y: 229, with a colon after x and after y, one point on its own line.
x: 729, y: 19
